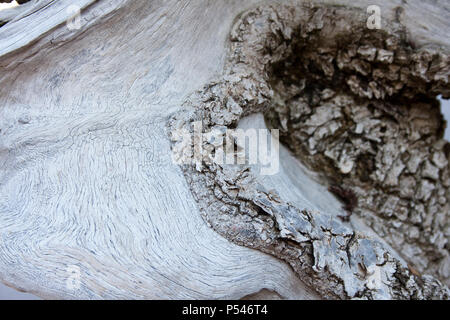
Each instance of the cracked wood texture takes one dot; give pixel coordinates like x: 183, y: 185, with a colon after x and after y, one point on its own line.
x: 87, y: 178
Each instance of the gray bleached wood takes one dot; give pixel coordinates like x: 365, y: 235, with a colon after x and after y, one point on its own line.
x: 86, y: 177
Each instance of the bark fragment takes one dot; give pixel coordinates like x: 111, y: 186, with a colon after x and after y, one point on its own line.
x: 360, y: 107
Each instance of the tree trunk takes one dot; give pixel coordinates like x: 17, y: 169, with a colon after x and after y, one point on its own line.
x: 99, y: 194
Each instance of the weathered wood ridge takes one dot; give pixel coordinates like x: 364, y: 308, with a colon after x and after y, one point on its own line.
x: 87, y: 182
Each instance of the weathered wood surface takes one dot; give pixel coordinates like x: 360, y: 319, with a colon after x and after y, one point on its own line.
x: 86, y: 177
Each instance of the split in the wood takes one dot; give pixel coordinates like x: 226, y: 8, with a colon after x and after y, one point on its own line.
x: 357, y: 106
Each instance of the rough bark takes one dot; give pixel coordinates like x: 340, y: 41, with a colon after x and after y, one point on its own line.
x: 88, y: 180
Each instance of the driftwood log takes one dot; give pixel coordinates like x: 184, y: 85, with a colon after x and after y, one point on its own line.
x: 93, y: 204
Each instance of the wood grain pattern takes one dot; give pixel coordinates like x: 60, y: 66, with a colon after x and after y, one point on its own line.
x: 85, y: 172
